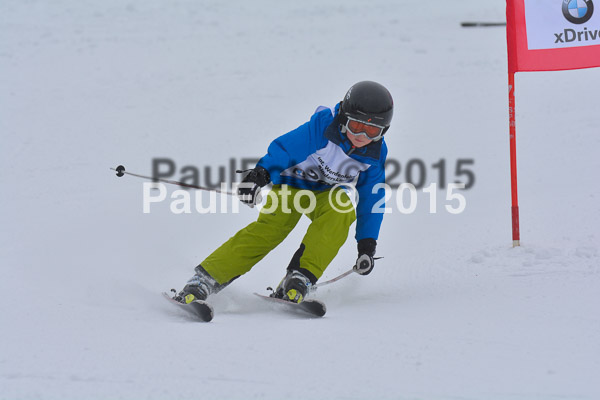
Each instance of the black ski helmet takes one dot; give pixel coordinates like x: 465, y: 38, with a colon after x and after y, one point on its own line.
x: 369, y: 102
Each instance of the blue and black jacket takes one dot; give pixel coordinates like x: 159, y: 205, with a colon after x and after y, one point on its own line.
x: 317, y: 156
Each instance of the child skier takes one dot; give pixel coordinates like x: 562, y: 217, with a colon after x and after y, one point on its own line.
x: 340, y: 146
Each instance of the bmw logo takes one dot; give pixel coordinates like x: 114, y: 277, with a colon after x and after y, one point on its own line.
x: 578, y: 11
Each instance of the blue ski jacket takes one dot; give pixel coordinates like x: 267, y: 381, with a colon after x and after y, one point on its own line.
x: 317, y: 156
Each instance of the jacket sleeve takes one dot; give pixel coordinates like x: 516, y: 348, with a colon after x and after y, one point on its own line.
x: 293, y: 147
x: 371, y: 199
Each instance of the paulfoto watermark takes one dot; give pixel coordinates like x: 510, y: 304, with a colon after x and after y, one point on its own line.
x: 188, y: 201
x: 405, y: 198
x: 415, y: 171
x: 382, y: 198
x: 342, y: 198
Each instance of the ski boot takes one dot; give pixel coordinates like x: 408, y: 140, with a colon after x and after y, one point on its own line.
x: 198, y: 287
x: 293, y: 287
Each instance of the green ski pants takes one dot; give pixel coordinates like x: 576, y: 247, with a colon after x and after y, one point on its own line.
x: 331, y: 213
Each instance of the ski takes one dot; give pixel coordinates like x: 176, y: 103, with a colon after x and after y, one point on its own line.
x: 198, y: 308
x: 314, y: 308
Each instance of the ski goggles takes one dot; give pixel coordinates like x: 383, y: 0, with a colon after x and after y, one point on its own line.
x: 370, y: 131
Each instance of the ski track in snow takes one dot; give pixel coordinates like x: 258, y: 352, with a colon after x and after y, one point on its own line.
x: 451, y: 312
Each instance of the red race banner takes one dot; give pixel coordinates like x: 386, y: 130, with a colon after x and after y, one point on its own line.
x: 551, y: 35
x: 546, y: 35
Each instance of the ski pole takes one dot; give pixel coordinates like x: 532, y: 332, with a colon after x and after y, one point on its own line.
x: 481, y: 24
x: 121, y: 171
x: 337, y: 278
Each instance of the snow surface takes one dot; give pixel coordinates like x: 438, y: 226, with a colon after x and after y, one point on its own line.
x: 451, y: 312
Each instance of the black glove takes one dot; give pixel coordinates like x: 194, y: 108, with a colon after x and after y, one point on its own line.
x: 365, y: 261
x: 249, y: 189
